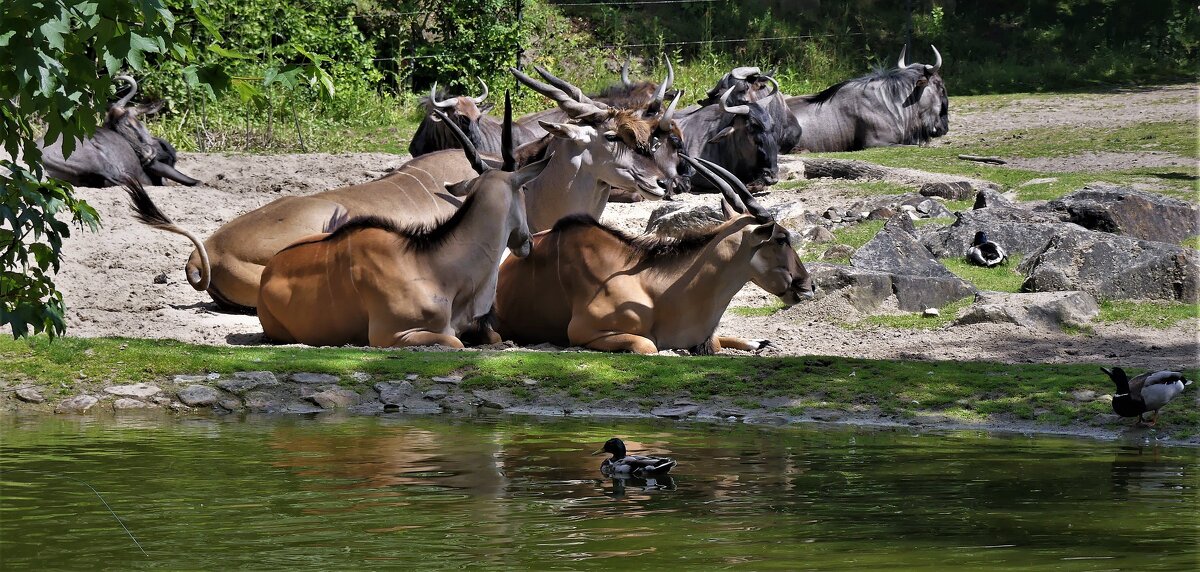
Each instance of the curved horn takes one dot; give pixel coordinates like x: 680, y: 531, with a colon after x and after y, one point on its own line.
x: 506, y: 137
x: 744, y: 73
x: 736, y: 109
x: 937, y: 65
x: 575, y: 109
x: 625, y: 73
x: 752, y: 206
x: 440, y: 104
x: 132, y: 90
x: 774, y: 86
x: 666, y: 84
x: 468, y: 148
x: 727, y: 192
x: 566, y: 87
x: 900, y: 62
x: 664, y: 123
x: 480, y: 99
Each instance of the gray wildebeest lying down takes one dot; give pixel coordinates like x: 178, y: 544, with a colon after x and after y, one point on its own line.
x: 588, y: 285
x: 371, y: 281
x: 120, y: 149
x: 585, y: 165
x: 737, y: 134
x: 903, y: 106
x: 470, y: 113
x: 762, y: 89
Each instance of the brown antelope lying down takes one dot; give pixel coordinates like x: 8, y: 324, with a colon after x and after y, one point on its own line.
x: 588, y: 285
x: 372, y: 281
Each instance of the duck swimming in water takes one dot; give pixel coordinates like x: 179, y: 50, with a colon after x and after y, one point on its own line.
x: 1146, y: 392
x: 623, y: 465
x: 985, y: 252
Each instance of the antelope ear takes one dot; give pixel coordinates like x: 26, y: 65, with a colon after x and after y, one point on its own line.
x: 565, y: 130
x: 764, y: 232
x: 531, y: 171
x: 723, y: 134
x: 459, y: 189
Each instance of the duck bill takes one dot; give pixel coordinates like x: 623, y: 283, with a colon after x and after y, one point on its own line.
x: 598, y: 452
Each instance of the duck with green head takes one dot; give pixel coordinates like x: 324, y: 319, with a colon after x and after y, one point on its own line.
x: 622, y: 464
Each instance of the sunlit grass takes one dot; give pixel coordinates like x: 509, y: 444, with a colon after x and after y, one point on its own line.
x: 758, y: 311
x: 853, y: 236
x: 1159, y: 315
x: 917, y: 320
x: 1002, y: 278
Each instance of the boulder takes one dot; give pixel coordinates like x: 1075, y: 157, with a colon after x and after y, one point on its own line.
x: 838, y: 252
x: 335, y: 398
x: 1130, y: 212
x: 127, y: 403
x: 30, y: 395
x: 77, y: 404
x: 676, y: 219
x: 395, y: 393
x: 198, y: 395
x: 1111, y: 266
x: 314, y: 378
x: 987, y: 198
x: 138, y: 390
x: 955, y: 191
x: 244, y: 381
x: 1018, y: 231
x: 1033, y: 310
x: 917, y: 293
x: 820, y: 235
x: 492, y: 398
x: 895, y: 249
x: 865, y: 290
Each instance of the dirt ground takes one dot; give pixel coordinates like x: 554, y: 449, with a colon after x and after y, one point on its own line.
x: 128, y: 280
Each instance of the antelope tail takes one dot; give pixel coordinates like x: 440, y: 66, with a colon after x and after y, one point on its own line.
x: 148, y: 214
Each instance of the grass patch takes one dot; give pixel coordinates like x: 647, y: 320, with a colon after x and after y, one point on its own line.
x: 1003, y: 278
x: 758, y: 311
x: 902, y: 388
x: 1192, y: 242
x: 853, y: 236
x: 1159, y: 315
x: 917, y: 321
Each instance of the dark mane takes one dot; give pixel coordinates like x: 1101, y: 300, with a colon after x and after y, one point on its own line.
x: 422, y: 237
x: 897, y: 79
x: 648, y: 248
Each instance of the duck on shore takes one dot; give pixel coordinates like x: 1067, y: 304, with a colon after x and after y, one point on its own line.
x: 984, y: 252
x: 1149, y: 391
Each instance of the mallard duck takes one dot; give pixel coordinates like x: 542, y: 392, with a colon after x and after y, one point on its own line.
x: 623, y: 465
x: 1147, y: 392
x: 985, y: 252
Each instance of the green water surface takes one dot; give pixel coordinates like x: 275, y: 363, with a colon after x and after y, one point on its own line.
x: 521, y: 493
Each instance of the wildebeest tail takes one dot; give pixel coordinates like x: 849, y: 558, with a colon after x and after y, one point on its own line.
x: 148, y: 214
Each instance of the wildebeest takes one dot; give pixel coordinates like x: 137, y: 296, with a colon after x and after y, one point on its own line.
x: 761, y: 88
x: 740, y: 138
x: 637, y: 93
x: 470, y: 113
x: 586, y: 165
x: 902, y: 106
x: 585, y: 284
x: 373, y: 282
x: 120, y: 149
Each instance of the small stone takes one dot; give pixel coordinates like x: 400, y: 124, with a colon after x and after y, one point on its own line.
x: 412, y: 377
x: 30, y: 395
x: 179, y: 407
x: 1083, y: 395
x: 676, y: 412
x: 301, y: 408
x: 436, y: 394
x: 530, y: 382
x: 125, y: 403
x: 190, y: 378
x: 198, y: 395
x: 1042, y: 181
x: 335, y: 398
x: 838, y: 251
x: 390, y: 392
x: 451, y: 379
x: 140, y: 390
x: 161, y: 400
x: 77, y: 404
x: 230, y: 404
x: 732, y: 419
x: 360, y: 377
x: 161, y: 278
x: 213, y: 376
x: 493, y: 398
x: 821, y: 235
x: 420, y: 407
x: 314, y: 378
x: 931, y: 313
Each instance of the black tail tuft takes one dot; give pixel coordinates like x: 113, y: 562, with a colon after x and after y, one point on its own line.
x: 144, y: 209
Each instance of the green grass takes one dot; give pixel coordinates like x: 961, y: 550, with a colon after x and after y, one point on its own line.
x: 70, y: 365
x: 1192, y: 242
x: 854, y: 236
x: 758, y: 311
x: 1003, y: 278
x: 918, y: 321
x: 1159, y: 315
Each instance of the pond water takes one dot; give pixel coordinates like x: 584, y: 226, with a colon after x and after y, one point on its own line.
x: 516, y: 493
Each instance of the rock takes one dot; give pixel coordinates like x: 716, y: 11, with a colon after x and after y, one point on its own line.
x: 314, y: 378
x: 675, y: 412
x: 230, y: 404
x: 335, y: 398
x: 368, y: 408
x: 675, y: 219
x: 436, y: 394
x: 1111, y: 266
x: 915, y: 293
x: 880, y: 213
x: 179, y: 407
x: 817, y: 167
x: 931, y: 313
x: 161, y: 278
x: 360, y: 377
x: 832, y: 215
x: 865, y: 289
x: 838, y: 252
x: 493, y: 398
x: 790, y: 215
x: 126, y: 403
x: 139, y: 390
x: 1018, y: 231
x: 181, y: 379
x: 1036, y: 310
x: 1083, y: 395
x: 77, y: 404
x: 450, y: 379
x: 299, y: 408
x: 244, y: 381
x: 1133, y: 213
x: 417, y: 406
x: 1041, y: 181
x: 895, y: 250
x: 955, y: 191
x: 820, y: 235
x: 198, y: 395
x: 30, y: 395
x: 395, y: 392
x: 987, y: 198
x: 933, y: 209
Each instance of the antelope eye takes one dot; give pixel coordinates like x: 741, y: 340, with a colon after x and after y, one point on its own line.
x: 612, y: 137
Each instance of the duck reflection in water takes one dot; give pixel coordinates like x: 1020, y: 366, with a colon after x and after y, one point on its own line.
x: 646, y: 485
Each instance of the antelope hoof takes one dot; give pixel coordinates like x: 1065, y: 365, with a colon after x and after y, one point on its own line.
x: 759, y: 345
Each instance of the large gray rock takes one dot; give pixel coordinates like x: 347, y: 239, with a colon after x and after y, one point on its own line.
x: 988, y: 198
x: 865, y: 290
x: 335, y: 398
x: 1111, y: 266
x: 1018, y: 231
x: 675, y: 219
x: 1033, y: 310
x: 138, y: 390
x: 896, y: 250
x: 394, y: 393
x: 1134, y: 213
x: 77, y: 404
x: 917, y: 293
x: 244, y: 381
x: 314, y: 378
x: 30, y: 395
x: 198, y: 395
x: 954, y: 191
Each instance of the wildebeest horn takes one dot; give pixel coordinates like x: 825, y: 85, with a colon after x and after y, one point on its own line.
x: 937, y: 65
x: 737, y: 109
x: 900, y: 63
x: 731, y: 197
x: 506, y: 137
x: 440, y: 104
x: 752, y: 206
x: 774, y: 86
x: 480, y: 99
x: 743, y: 73
x: 574, y: 108
x: 666, y: 84
x: 132, y: 90
x: 625, y: 73
x: 574, y: 92
x: 664, y: 123
x: 468, y: 148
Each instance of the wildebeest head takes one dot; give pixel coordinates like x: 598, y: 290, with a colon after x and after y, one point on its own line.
x: 634, y: 94
x: 125, y: 121
x: 929, y: 97
x: 627, y: 148
x: 775, y: 267
x: 745, y: 140
x: 465, y: 111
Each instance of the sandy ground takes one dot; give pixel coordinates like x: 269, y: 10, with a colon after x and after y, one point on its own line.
x: 128, y: 279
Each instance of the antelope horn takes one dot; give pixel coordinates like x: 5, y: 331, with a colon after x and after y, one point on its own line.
x: 900, y: 63
x: 440, y: 104
x: 726, y: 191
x: 133, y: 87
x: 566, y: 87
x: 506, y: 137
x: 468, y: 148
x: 480, y: 99
x: 664, y: 123
x: 937, y: 65
x: 736, y: 109
x: 625, y: 73
x: 575, y: 109
x: 752, y: 206
x: 743, y: 73
x: 666, y: 84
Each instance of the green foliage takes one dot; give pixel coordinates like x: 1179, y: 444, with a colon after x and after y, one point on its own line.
x: 1159, y: 315
x: 758, y: 311
x: 1002, y: 278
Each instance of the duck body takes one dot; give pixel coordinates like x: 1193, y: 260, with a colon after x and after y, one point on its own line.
x: 984, y: 252
x: 1149, y: 391
x: 622, y: 464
